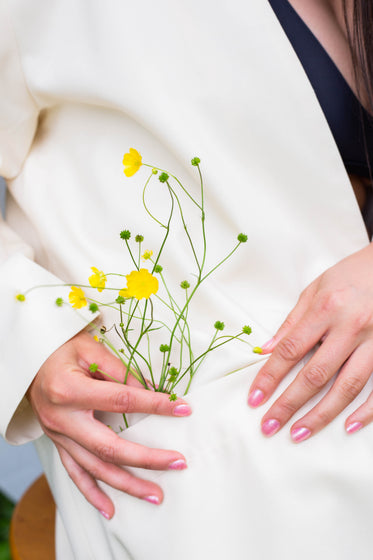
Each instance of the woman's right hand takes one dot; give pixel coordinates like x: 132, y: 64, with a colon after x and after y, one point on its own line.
x: 64, y: 395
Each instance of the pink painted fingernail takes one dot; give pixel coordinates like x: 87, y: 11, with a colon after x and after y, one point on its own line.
x: 300, y: 434
x: 182, y: 410
x: 178, y: 465
x: 152, y: 499
x: 106, y: 515
x: 270, y: 427
x: 354, y: 427
x: 255, y: 397
x: 268, y: 346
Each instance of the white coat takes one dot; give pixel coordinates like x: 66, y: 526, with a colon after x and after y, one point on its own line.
x: 81, y: 82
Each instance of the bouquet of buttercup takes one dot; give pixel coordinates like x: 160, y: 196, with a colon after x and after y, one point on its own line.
x: 133, y: 294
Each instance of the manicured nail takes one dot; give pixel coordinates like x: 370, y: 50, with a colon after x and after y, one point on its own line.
x: 106, y: 515
x: 255, y: 397
x: 268, y: 346
x: 300, y: 434
x: 354, y: 427
x: 178, y: 465
x: 270, y: 427
x: 152, y: 499
x: 182, y: 410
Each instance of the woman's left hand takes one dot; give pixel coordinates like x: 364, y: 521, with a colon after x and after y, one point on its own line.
x: 336, y: 310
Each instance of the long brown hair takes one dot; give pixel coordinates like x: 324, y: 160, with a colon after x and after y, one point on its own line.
x: 360, y: 37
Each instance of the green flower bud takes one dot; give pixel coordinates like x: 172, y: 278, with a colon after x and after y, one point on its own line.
x: 195, y: 161
x: 164, y: 348
x: 219, y: 326
x: 158, y: 268
x: 139, y: 238
x: 59, y: 302
x: 163, y: 177
x: 173, y: 373
x: 242, y: 237
x: 185, y: 285
x: 93, y: 368
x: 257, y: 350
x: 93, y: 307
x: 20, y: 297
x: 173, y: 397
x: 154, y: 171
x: 125, y: 234
x: 120, y: 299
x: 246, y: 329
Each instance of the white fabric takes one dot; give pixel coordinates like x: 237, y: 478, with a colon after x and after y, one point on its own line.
x: 81, y: 83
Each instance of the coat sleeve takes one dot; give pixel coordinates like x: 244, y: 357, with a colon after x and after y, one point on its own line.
x: 33, y: 329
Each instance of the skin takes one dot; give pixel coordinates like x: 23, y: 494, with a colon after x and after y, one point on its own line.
x: 64, y: 395
x: 336, y: 308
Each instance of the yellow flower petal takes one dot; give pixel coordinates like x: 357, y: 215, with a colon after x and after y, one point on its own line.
x: 98, y: 279
x: 147, y: 255
x: 132, y: 162
x: 77, y: 298
x: 141, y: 284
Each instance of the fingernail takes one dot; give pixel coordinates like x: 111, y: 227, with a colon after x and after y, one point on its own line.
x: 152, y: 499
x: 182, y: 410
x: 106, y: 515
x: 270, y: 427
x: 354, y: 427
x: 255, y: 397
x: 300, y: 434
x: 267, y: 347
x: 178, y: 465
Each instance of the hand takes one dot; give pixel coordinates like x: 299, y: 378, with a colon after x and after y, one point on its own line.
x: 336, y: 310
x: 64, y: 395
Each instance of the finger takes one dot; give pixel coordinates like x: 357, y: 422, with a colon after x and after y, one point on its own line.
x: 85, y: 393
x: 351, y: 379
x: 87, y: 485
x: 288, y: 352
x: 105, y: 444
x: 310, y: 380
x: 112, y: 475
x: 292, y: 319
x: 90, y: 351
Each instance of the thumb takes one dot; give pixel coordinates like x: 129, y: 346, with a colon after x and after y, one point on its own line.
x: 295, y: 315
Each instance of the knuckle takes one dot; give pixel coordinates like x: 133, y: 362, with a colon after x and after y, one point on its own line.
x: 148, y: 460
x: 334, y: 301
x: 267, y: 378
x: 123, y: 400
x: 157, y: 406
x: 106, y: 453
x: 316, y: 376
x: 287, y: 406
x: 290, y: 349
x: 289, y: 321
x: 350, y: 388
x: 323, y: 417
x: 57, y: 392
x: 361, y: 321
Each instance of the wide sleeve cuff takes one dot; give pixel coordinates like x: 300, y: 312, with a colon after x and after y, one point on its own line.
x: 30, y: 331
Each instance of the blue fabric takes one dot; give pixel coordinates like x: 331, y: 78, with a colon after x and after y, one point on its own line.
x: 347, y: 118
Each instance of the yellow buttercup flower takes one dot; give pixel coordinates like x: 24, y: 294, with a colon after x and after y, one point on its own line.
x: 147, y: 255
x: 98, y: 279
x: 140, y: 284
x: 132, y: 162
x: 77, y: 298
